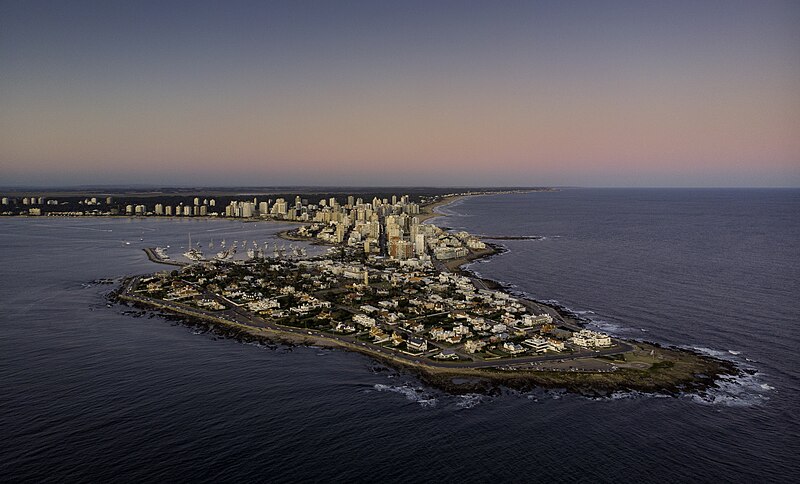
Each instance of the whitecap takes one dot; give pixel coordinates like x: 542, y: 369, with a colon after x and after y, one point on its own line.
x: 413, y: 394
x: 744, y: 390
x: 606, y: 326
x: 709, y: 351
x: 469, y: 400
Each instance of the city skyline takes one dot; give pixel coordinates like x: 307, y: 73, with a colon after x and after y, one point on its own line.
x: 372, y: 94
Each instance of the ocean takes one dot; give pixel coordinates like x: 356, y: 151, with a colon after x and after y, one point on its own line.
x: 98, y: 393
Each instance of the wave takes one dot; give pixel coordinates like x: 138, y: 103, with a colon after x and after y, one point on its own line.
x: 745, y: 390
x: 628, y: 395
x: 469, y: 400
x: 413, y: 394
x: 725, y: 355
x: 608, y: 327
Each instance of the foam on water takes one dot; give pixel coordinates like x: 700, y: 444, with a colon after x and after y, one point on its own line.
x: 725, y: 355
x: 629, y: 395
x: 469, y: 400
x: 744, y: 390
x: 608, y: 327
x: 414, y: 394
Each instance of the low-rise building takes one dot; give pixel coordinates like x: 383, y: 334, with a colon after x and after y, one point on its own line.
x: 417, y: 344
x: 590, y: 339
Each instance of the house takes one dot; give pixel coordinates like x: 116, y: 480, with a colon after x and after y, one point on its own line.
x: 534, y: 319
x: 344, y: 328
x: 397, y: 339
x: 364, y: 320
x: 513, y: 348
x: 417, y: 344
x: 472, y: 346
x: 369, y: 309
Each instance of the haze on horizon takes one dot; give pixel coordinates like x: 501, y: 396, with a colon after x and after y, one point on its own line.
x: 433, y: 93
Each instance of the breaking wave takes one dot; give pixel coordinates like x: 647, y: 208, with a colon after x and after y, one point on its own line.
x: 469, y: 400
x: 743, y: 390
x: 414, y: 394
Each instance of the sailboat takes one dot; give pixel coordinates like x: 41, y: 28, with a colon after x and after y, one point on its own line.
x: 193, y: 254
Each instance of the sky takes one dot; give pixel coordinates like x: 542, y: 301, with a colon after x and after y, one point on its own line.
x: 391, y: 93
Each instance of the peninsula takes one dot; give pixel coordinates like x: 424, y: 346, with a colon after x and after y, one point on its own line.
x: 394, y: 288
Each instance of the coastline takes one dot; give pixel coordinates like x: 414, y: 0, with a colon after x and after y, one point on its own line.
x: 630, y: 366
x: 428, y: 211
x: 688, y: 371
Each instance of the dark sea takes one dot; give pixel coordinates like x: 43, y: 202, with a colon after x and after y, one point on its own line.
x: 91, y: 393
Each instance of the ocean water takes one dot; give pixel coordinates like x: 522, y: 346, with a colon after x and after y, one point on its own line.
x: 90, y: 393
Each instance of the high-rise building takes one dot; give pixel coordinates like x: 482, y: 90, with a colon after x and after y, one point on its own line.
x: 168, y: 210
x: 280, y: 207
x: 340, y: 233
x: 400, y: 249
x: 159, y: 210
x: 419, y: 244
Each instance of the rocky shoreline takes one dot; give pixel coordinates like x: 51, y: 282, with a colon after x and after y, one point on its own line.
x: 647, y: 368
x: 688, y: 372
